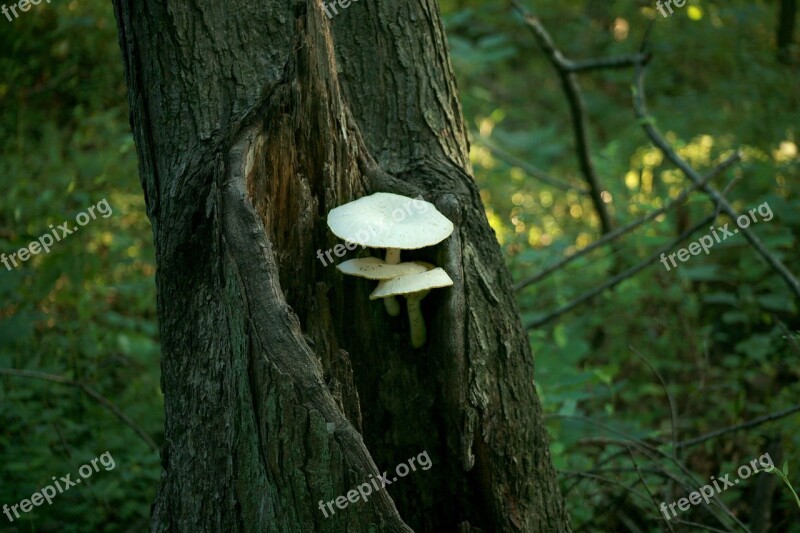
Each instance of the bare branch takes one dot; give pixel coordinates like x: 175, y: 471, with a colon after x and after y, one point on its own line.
x: 604, y: 480
x: 595, y: 469
x: 622, y: 276
x: 672, y: 412
x: 640, y: 106
x: 653, y: 453
x: 678, y: 200
x: 625, y: 61
x: 693, y: 524
x: 744, y: 425
x: 105, y: 402
x: 534, y: 171
x: 647, y: 488
x: 577, y: 107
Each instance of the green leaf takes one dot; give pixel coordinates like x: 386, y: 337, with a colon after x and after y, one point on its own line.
x: 700, y: 272
x: 725, y: 298
x: 776, y: 302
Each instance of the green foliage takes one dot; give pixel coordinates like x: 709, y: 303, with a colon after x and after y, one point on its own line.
x: 783, y: 473
x: 717, y: 328
x: 86, y: 310
x: 720, y: 329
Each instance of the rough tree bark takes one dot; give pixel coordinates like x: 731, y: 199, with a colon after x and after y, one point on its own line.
x: 787, y: 12
x: 284, y: 385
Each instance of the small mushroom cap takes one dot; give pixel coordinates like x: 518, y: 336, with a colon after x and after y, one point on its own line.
x: 411, y: 283
x: 376, y: 268
x: 385, y: 220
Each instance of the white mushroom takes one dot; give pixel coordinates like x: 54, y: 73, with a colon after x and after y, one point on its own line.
x: 414, y: 287
x: 376, y: 268
x: 391, y: 221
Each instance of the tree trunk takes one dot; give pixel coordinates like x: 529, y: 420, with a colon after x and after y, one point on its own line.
x: 283, y: 384
x: 785, y: 34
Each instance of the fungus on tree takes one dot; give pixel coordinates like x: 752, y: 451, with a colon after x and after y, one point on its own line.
x: 414, y: 287
x: 378, y: 269
x: 391, y: 221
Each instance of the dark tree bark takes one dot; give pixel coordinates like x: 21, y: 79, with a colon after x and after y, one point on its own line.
x: 785, y: 35
x: 284, y: 385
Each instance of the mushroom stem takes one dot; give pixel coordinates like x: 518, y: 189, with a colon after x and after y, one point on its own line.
x: 416, y: 322
x: 393, y: 256
x: 391, y: 304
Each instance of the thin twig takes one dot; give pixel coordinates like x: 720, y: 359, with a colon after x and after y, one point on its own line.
x: 530, y: 169
x: 105, y: 402
x: 622, y: 276
x: 596, y: 468
x: 693, y: 524
x: 624, y: 61
x: 678, y: 200
x: 603, y: 479
x: 744, y: 425
x: 610, y: 509
x: 647, y: 488
x: 577, y: 108
x: 626, y: 274
x: 647, y: 121
x: 653, y: 453
x: 672, y: 413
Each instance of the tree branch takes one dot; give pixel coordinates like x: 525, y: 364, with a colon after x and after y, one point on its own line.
x: 673, y: 415
x: 604, y: 480
x: 735, y: 157
x: 647, y: 488
x: 625, y: 61
x: 692, y: 524
x: 744, y: 425
x: 621, y: 276
x: 640, y: 107
x: 105, y: 402
x: 577, y: 107
x: 534, y: 171
x: 652, y: 453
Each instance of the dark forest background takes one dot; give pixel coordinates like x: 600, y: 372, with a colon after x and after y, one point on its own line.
x: 718, y: 336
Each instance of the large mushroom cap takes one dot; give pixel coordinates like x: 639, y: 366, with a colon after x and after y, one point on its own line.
x: 410, y: 283
x: 376, y: 268
x: 385, y: 220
